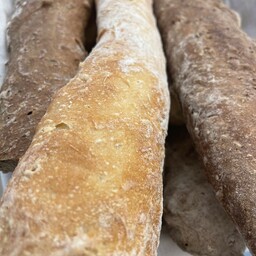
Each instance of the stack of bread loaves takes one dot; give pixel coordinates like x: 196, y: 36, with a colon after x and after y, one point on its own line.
x: 85, y: 131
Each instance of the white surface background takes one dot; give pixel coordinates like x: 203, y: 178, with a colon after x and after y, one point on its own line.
x: 247, y: 8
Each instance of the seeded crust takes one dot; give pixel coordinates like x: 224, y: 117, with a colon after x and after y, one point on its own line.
x: 46, y: 45
x: 91, y: 181
x: 213, y: 65
x: 196, y: 220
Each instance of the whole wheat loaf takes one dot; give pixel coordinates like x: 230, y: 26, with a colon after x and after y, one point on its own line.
x: 213, y: 65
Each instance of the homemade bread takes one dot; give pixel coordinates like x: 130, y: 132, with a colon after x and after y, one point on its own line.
x: 91, y: 181
x: 212, y: 63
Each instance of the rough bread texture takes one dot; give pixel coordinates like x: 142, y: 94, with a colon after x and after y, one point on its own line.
x: 46, y: 46
x: 196, y: 220
x: 213, y: 66
x: 246, y: 10
x: 91, y: 181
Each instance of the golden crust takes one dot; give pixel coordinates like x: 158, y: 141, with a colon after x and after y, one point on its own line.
x: 91, y: 181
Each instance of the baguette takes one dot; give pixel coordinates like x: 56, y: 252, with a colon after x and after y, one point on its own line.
x: 195, y: 219
x: 91, y: 181
x: 213, y: 66
x: 46, y: 46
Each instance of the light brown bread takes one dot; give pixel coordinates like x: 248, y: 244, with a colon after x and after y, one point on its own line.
x: 196, y: 220
x: 46, y: 46
x: 91, y: 181
x: 213, y: 66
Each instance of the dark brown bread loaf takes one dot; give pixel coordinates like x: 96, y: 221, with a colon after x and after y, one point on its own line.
x: 213, y: 65
x: 195, y: 218
x: 46, y: 46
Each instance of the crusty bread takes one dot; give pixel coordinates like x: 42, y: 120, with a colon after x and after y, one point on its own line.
x: 196, y: 220
x: 91, y: 181
x: 46, y: 46
x: 213, y: 66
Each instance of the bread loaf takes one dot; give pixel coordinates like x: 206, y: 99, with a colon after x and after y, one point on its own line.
x: 46, y: 46
x: 91, y: 181
x: 213, y: 65
x: 195, y: 219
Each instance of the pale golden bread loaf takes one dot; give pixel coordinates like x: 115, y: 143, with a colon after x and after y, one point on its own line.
x: 91, y: 181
